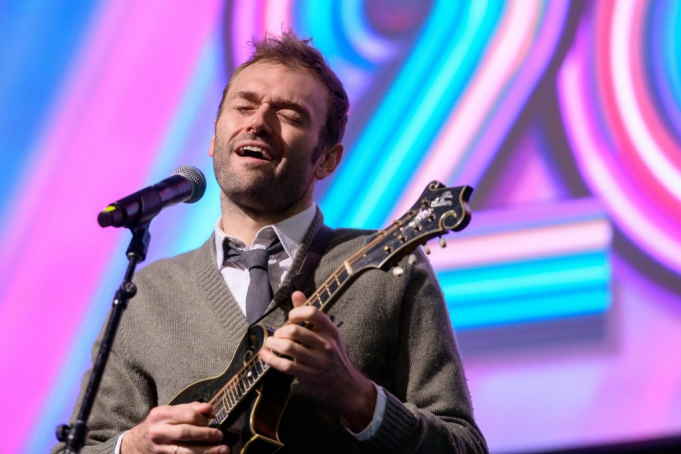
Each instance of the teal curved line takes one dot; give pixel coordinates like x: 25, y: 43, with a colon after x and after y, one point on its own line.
x: 389, y: 117
x: 321, y: 21
x: 330, y: 23
x: 426, y: 119
x: 672, y: 51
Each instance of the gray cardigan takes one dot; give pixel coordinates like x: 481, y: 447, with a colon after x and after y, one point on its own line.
x: 184, y: 325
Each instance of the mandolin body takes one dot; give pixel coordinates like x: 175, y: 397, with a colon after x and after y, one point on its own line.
x: 252, y: 422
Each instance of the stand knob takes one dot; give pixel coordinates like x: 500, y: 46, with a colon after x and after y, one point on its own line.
x: 63, y: 432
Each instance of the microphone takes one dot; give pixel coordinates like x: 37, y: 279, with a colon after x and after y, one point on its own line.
x: 186, y: 185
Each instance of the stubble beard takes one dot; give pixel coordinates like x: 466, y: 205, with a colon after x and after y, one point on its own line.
x: 267, y: 194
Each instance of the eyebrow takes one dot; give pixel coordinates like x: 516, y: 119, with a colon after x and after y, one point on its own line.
x: 283, y: 103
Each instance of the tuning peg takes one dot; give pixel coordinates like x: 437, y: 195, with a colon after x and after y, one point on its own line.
x: 426, y: 249
x: 443, y: 243
x: 398, y: 271
x: 411, y: 259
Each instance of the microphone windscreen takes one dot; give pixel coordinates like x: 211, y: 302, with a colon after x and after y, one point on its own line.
x: 197, y: 180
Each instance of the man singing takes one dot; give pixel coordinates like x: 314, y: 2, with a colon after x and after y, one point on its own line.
x: 380, y: 373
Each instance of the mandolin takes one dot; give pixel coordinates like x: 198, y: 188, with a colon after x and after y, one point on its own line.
x: 248, y: 398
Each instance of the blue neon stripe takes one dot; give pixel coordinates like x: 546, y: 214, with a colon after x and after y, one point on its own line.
x: 672, y: 59
x: 542, y: 307
x: 37, y: 42
x: 429, y: 113
x: 322, y: 21
x: 187, y: 226
x: 524, y: 279
x: 443, y: 25
x: 357, y: 26
x: 185, y: 115
x: 200, y: 98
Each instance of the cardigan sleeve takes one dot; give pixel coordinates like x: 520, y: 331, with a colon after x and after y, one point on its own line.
x: 428, y: 407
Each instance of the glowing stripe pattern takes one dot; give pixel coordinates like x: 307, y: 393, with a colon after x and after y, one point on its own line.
x: 110, y: 96
x: 624, y: 136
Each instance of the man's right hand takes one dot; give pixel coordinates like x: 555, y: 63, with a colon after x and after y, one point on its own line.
x: 176, y: 429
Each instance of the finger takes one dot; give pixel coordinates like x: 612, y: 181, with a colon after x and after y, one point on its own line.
x: 182, y: 449
x: 190, y: 433
x: 281, y: 364
x: 296, y: 351
x: 312, y: 316
x: 197, y: 413
x: 298, y: 298
x: 299, y: 334
x: 222, y: 449
x: 204, y: 408
x: 285, y: 365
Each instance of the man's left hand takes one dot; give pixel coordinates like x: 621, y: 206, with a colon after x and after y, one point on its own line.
x: 316, y: 356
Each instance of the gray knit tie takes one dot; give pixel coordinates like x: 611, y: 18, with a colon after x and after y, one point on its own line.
x: 259, y: 293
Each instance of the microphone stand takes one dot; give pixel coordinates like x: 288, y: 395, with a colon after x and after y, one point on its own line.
x: 74, y: 434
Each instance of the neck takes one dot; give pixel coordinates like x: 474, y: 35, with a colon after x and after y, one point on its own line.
x: 245, y: 224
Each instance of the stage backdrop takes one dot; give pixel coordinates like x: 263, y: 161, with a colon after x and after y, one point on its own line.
x: 565, y: 116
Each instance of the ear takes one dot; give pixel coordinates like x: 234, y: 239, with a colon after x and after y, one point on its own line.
x: 329, y: 161
x: 212, y: 145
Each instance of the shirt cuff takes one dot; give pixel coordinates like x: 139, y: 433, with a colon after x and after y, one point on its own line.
x: 119, y: 442
x: 376, y: 421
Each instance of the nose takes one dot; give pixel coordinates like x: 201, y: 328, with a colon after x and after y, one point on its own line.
x: 260, y: 121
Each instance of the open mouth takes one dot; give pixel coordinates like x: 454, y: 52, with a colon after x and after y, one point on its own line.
x: 253, y: 151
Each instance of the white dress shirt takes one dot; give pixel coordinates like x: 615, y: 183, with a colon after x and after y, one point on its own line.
x: 290, y: 232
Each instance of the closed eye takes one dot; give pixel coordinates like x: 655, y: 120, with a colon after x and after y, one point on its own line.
x: 291, y: 117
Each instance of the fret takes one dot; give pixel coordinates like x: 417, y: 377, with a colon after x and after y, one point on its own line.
x: 326, y: 287
x: 254, y: 370
x: 348, y: 268
x: 342, y: 276
x: 230, y: 398
x: 324, y: 293
x: 233, y: 393
x: 333, y: 286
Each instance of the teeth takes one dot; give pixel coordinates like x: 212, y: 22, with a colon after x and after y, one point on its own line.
x: 256, y: 149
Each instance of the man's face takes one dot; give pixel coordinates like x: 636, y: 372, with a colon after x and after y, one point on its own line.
x: 266, y: 137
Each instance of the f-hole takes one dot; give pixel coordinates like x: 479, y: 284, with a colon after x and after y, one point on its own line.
x: 251, y: 350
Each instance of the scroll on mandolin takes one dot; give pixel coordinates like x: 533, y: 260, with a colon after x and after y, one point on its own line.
x: 248, y: 398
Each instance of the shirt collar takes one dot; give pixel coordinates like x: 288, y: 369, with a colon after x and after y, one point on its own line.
x: 290, y: 231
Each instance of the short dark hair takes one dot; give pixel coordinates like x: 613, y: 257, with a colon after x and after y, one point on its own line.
x: 289, y: 50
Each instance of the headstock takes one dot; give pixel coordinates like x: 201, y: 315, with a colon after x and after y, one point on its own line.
x: 439, y: 210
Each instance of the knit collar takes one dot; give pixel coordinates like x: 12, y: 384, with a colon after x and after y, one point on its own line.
x: 291, y: 233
